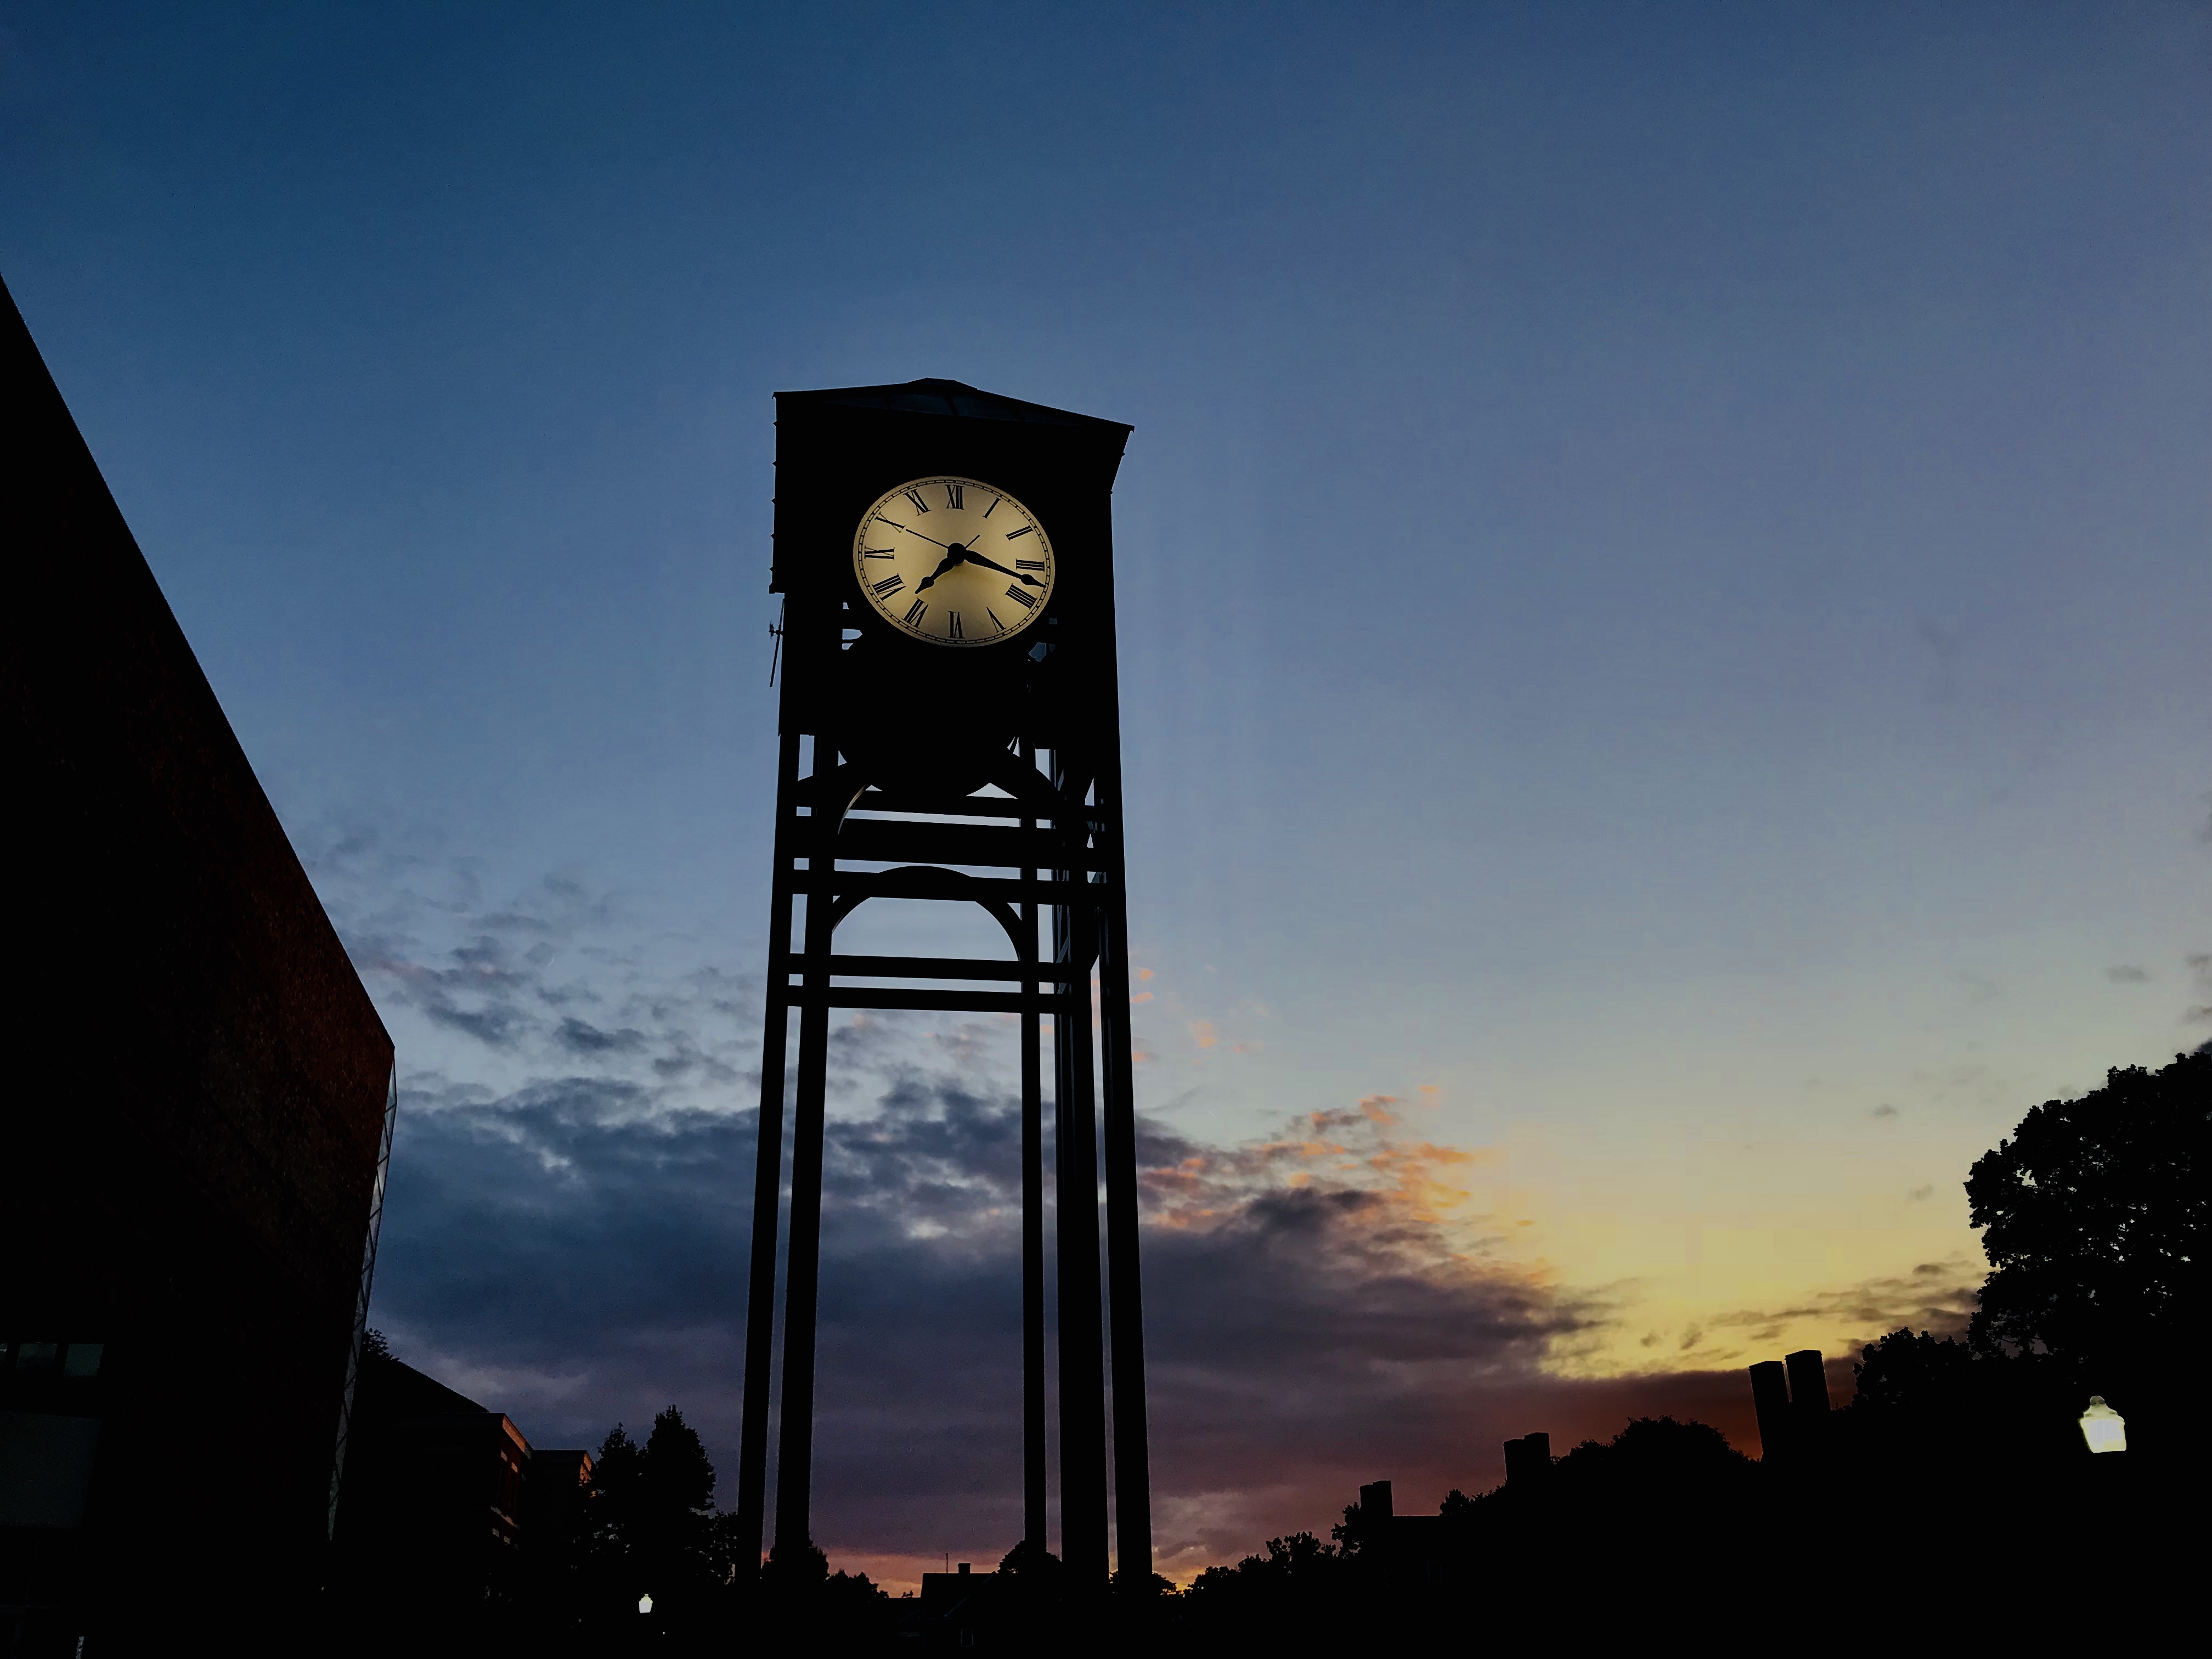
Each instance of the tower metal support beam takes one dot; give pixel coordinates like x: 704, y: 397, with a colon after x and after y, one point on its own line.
x: 1075, y: 1166
x: 1133, y: 1495
x: 1035, y: 1517
x: 794, y: 1466
x: 767, y: 1184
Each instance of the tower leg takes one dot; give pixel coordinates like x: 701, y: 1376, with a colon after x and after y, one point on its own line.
x: 1132, y: 1483
x: 794, y: 1467
x: 1082, y: 1378
x: 802, y: 1277
x: 760, y: 1302
x: 768, y: 1187
x: 1036, y: 1521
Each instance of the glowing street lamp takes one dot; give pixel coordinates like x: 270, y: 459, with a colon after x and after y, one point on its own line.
x: 2104, y: 1428
x: 645, y: 1604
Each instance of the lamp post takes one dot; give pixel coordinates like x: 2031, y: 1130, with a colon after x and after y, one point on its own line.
x: 2104, y: 1428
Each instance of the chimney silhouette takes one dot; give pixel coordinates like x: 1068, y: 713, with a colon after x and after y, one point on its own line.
x: 1375, y: 1502
x: 1809, y: 1401
x: 1769, y: 1397
x: 1791, y: 1398
x: 1528, y: 1461
x: 1809, y: 1387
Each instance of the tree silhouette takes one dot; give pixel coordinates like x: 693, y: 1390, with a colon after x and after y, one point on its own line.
x: 1650, y: 1501
x: 1298, y: 1581
x: 1356, y: 1531
x: 1031, y: 1560
x: 651, y: 1529
x: 1928, y: 1408
x: 609, y: 1577
x: 617, y: 1477
x: 680, y: 1477
x: 1300, y: 1559
x: 1654, y: 1459
x: 672, y: 1519
x: 1036, y: 1577
x: 1903, y: 1375
x: 799, y: 1601
x: 2093, y: 1216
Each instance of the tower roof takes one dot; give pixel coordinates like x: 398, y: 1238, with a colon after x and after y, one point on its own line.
x: 951, y: 398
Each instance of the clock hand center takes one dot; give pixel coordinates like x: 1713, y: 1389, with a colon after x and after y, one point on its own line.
x: 953, y: 555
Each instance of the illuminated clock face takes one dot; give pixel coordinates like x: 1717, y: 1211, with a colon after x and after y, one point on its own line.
x: 953, y: 562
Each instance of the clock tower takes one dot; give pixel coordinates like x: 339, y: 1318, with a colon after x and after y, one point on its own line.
x: 950, y: 732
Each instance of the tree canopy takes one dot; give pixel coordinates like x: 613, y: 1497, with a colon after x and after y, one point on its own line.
x: 2093, y: 1217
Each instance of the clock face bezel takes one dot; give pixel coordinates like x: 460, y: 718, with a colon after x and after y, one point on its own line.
x: 897, y: 547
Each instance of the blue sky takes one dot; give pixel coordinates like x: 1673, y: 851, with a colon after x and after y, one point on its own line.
x: 1663, y: 567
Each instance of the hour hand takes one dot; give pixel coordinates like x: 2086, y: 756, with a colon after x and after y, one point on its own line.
x: 931, y: 579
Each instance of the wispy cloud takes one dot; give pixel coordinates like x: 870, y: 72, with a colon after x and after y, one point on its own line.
x: 1935, y: 1295
x: 568, y: 1224
x: 1311, y: 1310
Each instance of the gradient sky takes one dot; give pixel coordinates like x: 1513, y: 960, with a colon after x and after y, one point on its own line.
x: 1665, y: 584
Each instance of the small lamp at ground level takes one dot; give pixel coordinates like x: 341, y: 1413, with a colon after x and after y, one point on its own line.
x: 2104, y: 1428
x: 645, y: 1602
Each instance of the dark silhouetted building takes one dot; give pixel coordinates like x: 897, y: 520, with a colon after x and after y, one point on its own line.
x: 200, y: 1104
x: 553, y: 1496
x: 966, y: 1612
x: 438, y: 1494
x: 1402, y: 1552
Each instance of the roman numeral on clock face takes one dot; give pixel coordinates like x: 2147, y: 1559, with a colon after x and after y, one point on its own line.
x: 889, y: 586
x: 1029, y: 564
x: 1019, y: 596
x: 919, y: 505
x: 952, y: 495
x: 994, y: 616
x: 914, y: 616
x: 875, y: 553
x: 993, y: 506
x: 1026, y: 530
x: 952, y: 625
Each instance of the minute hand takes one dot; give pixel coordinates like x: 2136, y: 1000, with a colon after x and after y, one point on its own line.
x: 932, y: 540
x: 991, y: 564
